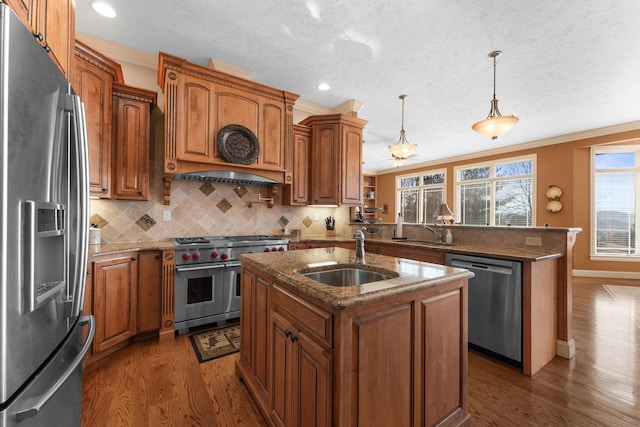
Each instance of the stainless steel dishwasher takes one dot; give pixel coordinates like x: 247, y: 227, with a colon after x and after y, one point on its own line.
x: 495, y: 304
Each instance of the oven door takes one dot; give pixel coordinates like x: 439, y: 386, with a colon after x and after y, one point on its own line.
x: 199, y: 291
x: 231, y: 296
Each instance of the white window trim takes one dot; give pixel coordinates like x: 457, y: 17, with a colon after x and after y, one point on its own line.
x: 592, y: 208
x: 491, y: 163
x: 420, y: 188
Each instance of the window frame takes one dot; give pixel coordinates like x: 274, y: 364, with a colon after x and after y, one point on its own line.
x: 635, y: 148
x: 491, y: 164
x: 420, y: 188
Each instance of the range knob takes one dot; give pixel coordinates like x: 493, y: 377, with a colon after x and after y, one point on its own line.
x: 196, y: 255
x: 274, y: 249
x: 224, y: 256
x: 281, y: 249
x: 214, y: 254
x: 267, y: 250
x: 186, y: 256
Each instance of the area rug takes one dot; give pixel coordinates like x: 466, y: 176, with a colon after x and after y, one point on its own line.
x: 629, y: 298
x: 217, y: 342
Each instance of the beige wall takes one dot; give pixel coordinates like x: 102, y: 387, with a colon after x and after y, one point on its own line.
x: 565, y: 165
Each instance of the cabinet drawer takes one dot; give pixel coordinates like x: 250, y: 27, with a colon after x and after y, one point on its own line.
x: 315, y: 322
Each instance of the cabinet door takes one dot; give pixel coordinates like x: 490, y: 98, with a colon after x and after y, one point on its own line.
x: 94, y: 85
x: 351, y: 164
x: 301, y: 391
x: 297, y: 193
x: 55, y: 26
x: 149, y: 291
x: 24, y: 9
x: 115, y: 283
x: 325, y: 170
x: 131, y: 118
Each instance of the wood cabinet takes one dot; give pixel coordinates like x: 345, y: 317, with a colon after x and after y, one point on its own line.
x: 336, y: 150
x: 297, y: 193
x: 398, y: 361
x: 118, y: 127
x: 200, y: 102
x: 52, y: 22
x: 131, y: 118
x: 115, y: 299
x: 149, y: 291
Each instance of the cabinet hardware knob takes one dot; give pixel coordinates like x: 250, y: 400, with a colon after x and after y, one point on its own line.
x: 287, y: 333
x: 47, y: 48
x: 39, y: 36
x: 294, y: 338
x: 140, y: 193
x: 104, y: 190
x: 134, y: 258
x: 158, y: 256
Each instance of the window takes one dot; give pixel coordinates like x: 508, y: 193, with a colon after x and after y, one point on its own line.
x: 615, y: 183
x: 419, y: 195
x: 496, y: 193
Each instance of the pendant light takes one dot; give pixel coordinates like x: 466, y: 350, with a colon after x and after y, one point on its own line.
x: 402, y: 149
x: 495, y: 124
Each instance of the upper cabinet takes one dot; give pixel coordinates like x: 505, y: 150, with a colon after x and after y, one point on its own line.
x: 131, y: 125
x: 201, y: 102
x: 52, y: 22
x: 118, y: 127
x: 297, y: 192
x: 336, y: 150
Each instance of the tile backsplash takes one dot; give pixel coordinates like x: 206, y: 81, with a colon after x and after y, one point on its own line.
x: 206, y: 209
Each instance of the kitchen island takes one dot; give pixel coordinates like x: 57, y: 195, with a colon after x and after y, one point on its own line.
x: 385, y: 353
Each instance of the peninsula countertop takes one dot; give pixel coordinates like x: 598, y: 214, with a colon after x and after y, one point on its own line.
x: 412, y: 274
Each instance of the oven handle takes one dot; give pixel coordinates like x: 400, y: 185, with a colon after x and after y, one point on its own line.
x: 233, y: 264
x: 199, y: 267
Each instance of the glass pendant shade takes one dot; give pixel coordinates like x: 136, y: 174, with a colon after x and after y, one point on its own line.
x: 402, y: 149
x: 495, y: 124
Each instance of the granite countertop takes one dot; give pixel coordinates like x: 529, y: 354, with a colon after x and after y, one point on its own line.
x: 115, y: 248
x: 413, y: 275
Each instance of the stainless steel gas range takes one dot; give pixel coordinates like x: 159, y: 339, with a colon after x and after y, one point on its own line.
x: 207, y: 281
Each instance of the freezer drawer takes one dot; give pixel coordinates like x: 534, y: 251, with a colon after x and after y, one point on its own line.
x: 495, y: 304
x: 53, y: 397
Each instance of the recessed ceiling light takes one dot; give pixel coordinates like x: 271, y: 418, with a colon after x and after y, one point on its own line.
x: 324, y: 86
x: 103, y: 9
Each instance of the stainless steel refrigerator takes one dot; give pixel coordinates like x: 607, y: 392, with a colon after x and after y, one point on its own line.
x: 43, y: 236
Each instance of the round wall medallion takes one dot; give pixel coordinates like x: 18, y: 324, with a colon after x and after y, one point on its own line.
x: 237, y: 144
x: 554, y: 192
x: 171, y: 166
x: 173, y: 76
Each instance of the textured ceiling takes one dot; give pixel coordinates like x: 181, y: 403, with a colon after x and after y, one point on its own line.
x: 567, y: 66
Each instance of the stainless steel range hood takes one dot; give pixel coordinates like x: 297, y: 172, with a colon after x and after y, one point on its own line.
x: 227, y: 177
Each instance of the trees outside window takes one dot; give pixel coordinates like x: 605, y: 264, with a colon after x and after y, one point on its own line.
x: 498, y: 193
x: 419, y: 194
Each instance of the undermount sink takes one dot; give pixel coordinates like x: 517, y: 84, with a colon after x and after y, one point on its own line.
x: 348, y: 276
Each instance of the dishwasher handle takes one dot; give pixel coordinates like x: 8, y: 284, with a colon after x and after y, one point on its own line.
x: 481, y: 267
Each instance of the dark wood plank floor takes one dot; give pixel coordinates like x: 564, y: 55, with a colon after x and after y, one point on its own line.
x: 152, y: 384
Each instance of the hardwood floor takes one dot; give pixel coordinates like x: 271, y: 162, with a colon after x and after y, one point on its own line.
x: 149, y: 384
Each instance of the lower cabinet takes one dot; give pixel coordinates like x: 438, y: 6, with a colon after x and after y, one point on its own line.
x: 124, y: 293
x: 399, y: 361
x: 115, y: 298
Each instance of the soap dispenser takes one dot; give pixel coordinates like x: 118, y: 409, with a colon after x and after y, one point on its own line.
x: 449, y: 237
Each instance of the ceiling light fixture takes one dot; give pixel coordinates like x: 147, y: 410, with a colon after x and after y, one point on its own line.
x: 324, y: 86
x: 103, y: 9
x: 495, y: 124
x: 402, y: 149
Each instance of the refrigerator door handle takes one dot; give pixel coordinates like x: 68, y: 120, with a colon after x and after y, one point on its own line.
x: 36, y: 407
x: 82, y: 241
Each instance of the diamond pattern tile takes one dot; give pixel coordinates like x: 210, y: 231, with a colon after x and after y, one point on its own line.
x: 145, y: 222
x: 98, y: 220
x: 207, y: 188
x: 224, y: 205
x: 240, y: 190
x: 307, y: 222
x: 283, y: 221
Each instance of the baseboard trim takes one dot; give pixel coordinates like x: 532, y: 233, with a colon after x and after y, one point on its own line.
x: 566, y: 349
x: 607, y: 274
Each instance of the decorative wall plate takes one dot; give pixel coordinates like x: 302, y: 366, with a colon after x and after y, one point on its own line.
x: 554, y: 206
x: 237, y: 144
x: 554, y: 192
